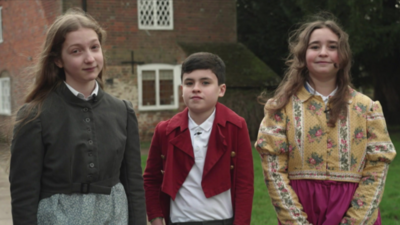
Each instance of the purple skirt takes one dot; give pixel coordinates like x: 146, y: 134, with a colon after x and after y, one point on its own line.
x: 325, y: 202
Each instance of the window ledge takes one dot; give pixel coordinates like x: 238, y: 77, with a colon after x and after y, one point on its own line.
x: 5, y: 114
x: 157, y: 108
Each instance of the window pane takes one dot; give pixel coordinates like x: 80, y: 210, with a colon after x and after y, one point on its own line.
x: 148, y: 88
x: 166, y: 87
x: 146, y: 12
x: 163, y: 13
x: 4, y: 95
x: 6, y: 89
x: 155, y: 14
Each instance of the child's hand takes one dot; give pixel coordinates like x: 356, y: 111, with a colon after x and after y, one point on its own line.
x: 157, y: 221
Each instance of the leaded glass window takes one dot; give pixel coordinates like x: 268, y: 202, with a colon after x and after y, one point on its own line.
x: 155, y: 15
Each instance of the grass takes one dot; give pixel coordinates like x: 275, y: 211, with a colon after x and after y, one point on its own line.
x: 263, y: 212
x: 390, y: 204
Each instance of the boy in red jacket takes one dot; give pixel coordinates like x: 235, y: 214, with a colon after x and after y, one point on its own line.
x: 200, y: 166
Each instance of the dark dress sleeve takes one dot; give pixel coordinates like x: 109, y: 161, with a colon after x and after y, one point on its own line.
x: 27, y: 151
x: 131, y: 171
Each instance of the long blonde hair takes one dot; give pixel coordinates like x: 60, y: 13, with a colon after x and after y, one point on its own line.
x: 47, y: 75
x: 297, y: 73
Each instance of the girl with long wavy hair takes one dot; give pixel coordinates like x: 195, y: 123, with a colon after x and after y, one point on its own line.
x: 324, y: 146
x: 75, y: 153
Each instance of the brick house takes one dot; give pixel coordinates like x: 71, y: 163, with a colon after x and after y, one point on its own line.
x: 146, y: 42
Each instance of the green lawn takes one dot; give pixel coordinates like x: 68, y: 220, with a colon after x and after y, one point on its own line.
x: 390, y: 205
x: 264, y: 214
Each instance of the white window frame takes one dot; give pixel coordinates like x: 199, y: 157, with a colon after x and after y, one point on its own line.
x: 6, y: 111
x: 155, y: 26
x: 176, y: 83
x: 1, y: 26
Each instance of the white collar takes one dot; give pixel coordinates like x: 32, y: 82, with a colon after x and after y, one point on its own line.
x: 324, y: 98
x: 205, y: 126
x: 80, y: 95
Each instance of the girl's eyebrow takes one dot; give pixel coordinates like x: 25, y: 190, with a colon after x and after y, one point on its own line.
x: 318, y: 42
x: 80, y: 44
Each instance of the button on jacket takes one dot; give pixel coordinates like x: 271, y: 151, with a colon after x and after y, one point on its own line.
x: 76, y: 146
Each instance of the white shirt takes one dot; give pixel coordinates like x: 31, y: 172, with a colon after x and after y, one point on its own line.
x: 324, y: 98
x: 82, y: 96
x: 190, y: 203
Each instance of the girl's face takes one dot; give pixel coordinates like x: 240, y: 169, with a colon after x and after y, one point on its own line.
x: 322, y: 54
x: 81, y: 57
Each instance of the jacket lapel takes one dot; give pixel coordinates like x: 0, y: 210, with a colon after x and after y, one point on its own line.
x: 183, y: 142
x: 182, y: 139
x: 217, y: 146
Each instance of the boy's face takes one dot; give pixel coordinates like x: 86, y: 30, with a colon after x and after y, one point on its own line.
x: 200, y: 91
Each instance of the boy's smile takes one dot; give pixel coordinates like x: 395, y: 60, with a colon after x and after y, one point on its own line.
x: 200, y: 92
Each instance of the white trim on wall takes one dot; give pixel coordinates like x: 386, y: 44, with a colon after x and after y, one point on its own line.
x: 5, y: 98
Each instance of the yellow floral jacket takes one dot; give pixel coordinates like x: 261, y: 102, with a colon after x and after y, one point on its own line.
x: 296, y: 143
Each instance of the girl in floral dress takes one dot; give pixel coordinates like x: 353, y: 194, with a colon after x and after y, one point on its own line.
x: 324, y: 147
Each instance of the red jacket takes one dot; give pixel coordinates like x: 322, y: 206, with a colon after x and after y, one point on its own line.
x: 228, y: 164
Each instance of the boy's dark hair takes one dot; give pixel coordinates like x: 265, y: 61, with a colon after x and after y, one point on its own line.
x: 204, y: 61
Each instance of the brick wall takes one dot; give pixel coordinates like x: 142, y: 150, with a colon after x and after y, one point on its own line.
x: 194, y: 21
x: 25, y: 24
x: 24, y: 27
